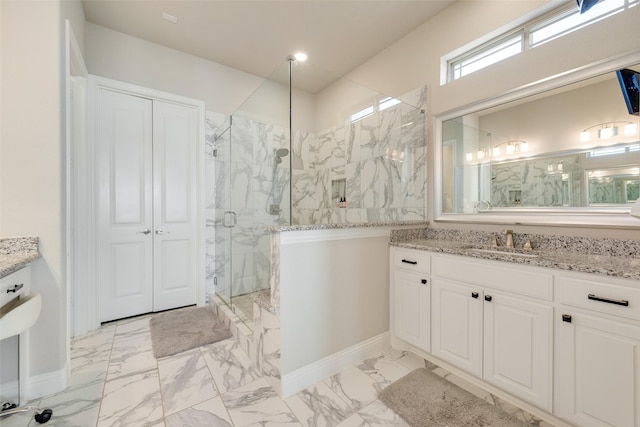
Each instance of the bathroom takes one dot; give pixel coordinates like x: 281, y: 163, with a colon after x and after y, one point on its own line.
x: 408, y: 65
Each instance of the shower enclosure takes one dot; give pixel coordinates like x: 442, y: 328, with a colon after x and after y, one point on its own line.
x: 309, y: 147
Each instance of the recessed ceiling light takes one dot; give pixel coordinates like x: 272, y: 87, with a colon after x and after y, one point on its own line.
x: 170, y: 18
x: 300, y: 56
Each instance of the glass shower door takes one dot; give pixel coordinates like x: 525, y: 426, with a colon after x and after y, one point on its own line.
x: 259, y: 190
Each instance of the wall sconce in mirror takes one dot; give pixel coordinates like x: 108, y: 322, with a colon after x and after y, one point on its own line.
x: 609, y: 130
x: 505, y: 148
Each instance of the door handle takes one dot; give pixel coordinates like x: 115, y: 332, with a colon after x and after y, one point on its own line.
x: 474, y: 295
x: 622, y: 302
x: 488, y: 298
x: 160, y: 231
x: 234, y: 221
x: 15, y: 288
x: 145, y: 231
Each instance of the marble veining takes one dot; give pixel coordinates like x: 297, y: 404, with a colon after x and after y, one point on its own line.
x: 609, y: 257
x: 16, y: 253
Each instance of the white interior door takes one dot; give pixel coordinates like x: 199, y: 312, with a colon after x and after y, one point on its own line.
x: 175, y: 201
x: 147, y: 205
x: 125, y: 208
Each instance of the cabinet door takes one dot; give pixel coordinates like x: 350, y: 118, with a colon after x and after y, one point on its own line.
x: 598, y: 372
x: 411, y: 314
x: 518, y: 339
x: 125, y: 205
x: 457, y: 324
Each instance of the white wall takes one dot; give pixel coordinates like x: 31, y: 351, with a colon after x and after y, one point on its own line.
x: 337, y: 289
x: 129, y: 59
x: 32, y: 174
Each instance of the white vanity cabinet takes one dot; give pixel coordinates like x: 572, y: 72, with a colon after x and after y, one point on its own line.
x: 411, y: 297
x: 598, y: 352
x: 495, y: 320
x: 457, y: 324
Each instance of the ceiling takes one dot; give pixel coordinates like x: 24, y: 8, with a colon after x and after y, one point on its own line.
x: 258, y: 36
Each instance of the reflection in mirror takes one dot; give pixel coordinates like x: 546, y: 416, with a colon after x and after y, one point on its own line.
x: 574, y: 147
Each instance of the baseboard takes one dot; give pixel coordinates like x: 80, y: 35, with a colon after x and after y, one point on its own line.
x: 310, y: 374
x: 10, y: 391
x: 46, y: 384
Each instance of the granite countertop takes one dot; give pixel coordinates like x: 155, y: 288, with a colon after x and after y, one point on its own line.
x: 308, y: 227
x: 16, y: 253
x: 585, y: 261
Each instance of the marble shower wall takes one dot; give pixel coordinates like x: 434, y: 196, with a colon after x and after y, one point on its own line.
x: 538, y: 182
x: 382, y: 157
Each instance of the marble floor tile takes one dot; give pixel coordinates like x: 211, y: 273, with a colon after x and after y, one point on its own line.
x: 408, y: 359
x: 257, y: 404
x: 354, y: 387
x: 354, y: 420
x: 116, y: 382
x: 319, y: 406
x: 230, y: 367
x: 132, y: 400
x: 378, y: 415
x: 133, y: 325
x: 74, y: 407
x: 383, y: 369
x: 211, y: 413
x: 132, y: 352
x: 185, y: 381
x: 92, y: 340
x: 17, y: 420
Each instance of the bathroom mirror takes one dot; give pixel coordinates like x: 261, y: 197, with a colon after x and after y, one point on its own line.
x: 575, y: 148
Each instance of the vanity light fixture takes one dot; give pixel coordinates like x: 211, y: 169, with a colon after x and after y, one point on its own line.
x: 609, y: 130
x: 510, y: 147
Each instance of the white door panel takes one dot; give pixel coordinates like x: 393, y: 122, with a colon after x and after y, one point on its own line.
x: 125, y: 205
x: 147, y: 161
x: 174, y: 160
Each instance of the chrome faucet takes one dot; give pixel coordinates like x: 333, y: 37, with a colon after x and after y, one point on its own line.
x: 509, y: 234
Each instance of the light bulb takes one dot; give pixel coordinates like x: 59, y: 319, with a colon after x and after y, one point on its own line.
x: 469, y: 157
x: 496, y: 151
x: 606, y: 133
x: 480, y: 154
x: 524, y: 147
x: 630, y: 129
x: 585, y: 136
x: 510, y: 149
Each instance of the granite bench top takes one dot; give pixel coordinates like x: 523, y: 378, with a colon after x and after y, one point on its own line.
x: 16, y: 253
x: 597, y: 260
x: 308, y: 227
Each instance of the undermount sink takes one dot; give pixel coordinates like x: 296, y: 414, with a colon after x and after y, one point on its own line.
x: 497, y: 252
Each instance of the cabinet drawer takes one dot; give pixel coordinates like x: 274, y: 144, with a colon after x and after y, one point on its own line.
x: 599, y: 296
x: 412, y: 260
x: 497, y: 275
x: 14, y: 285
